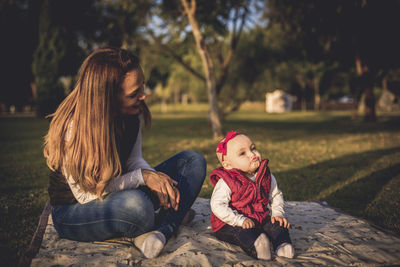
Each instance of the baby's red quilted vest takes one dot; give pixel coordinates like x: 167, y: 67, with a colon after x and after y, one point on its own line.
x: 248, y: 197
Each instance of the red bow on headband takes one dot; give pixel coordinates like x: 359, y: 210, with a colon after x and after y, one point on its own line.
x: 221, y: 147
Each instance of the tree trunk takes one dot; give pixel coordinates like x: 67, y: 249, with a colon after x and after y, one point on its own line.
x: 366, y: 87
x: 214, y: 115
x: 370, y: 114
x: 385, y: 82
x: 303, y: 100
x: 357, y: 98
x: 164, y: 107
x: 34, y: 92
x: 317, y: 96
x: 176, y: 95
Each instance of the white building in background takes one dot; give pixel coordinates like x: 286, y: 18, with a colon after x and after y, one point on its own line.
x: 387, y: 101
x: 279, y: 102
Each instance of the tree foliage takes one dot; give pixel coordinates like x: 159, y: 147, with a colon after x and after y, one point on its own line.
x: 18, y: 20
x: 219, y: 50
x: 215, y: 27
x: 46, y: 65
x: 359, y: 35
x: 62, y: 30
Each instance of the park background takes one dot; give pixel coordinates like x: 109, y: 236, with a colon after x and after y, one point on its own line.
x: 208, y: 67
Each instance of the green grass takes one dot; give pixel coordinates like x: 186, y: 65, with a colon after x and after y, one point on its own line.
x: 354, y: 166
x: 23, y: 184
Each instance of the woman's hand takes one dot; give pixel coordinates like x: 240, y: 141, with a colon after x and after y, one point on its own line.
x: 164, y: 187
x: 282, y: 221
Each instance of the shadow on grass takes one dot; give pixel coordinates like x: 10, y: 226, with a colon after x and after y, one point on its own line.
x: 281, y: 130
x: 21, y: 189
x: 349, y: 183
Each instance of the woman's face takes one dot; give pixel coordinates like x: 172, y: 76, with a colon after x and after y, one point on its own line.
x: 132, y: 93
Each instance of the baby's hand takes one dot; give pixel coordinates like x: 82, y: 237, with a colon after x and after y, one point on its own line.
x: 281, y: 220
x: 248, y: 223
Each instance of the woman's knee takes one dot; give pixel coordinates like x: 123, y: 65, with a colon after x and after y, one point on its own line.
x: 134, y: 206
x: 192, y: 154
x: 196, y: 159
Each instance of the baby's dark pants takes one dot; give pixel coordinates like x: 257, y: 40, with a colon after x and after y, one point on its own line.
x: 245, y: 238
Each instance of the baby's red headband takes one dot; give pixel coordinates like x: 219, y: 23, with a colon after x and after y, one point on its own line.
x: 221, y: 147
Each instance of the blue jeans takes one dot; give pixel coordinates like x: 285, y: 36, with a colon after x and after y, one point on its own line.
x: 129, y: 213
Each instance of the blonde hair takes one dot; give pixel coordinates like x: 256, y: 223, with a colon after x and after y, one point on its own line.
x: 89, y: 153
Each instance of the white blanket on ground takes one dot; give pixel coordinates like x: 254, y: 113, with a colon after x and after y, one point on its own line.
x: 321, y: 236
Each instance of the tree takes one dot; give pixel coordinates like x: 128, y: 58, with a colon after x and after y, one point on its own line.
x: 265, y: 61
x: 358, y: 34
x: 62, y: 31
x: 209, y: 25
x: 120, y: 23
x: 18, y: 20
x: 46, y: 62
x: 180, y: 81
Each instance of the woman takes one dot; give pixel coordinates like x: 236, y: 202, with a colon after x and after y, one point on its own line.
x: 100, y: 185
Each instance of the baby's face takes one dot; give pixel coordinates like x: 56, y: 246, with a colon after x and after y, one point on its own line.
x: 242, y: 154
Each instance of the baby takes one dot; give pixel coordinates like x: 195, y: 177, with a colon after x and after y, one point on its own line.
x: 246, y: 204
